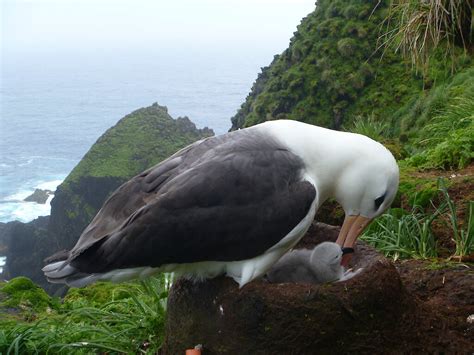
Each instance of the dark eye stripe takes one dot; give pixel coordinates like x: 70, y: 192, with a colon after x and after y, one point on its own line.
x: 379, y: 201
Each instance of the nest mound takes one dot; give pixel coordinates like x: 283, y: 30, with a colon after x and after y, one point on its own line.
x: 370, y: 312
x: 289, y: 317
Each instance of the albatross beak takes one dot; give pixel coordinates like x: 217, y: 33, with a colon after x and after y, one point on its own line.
x: 351, y: 229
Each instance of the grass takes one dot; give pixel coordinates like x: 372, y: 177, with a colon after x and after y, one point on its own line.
x: 448, y: 140
x: 462, y: 237
x: 132, y: 321
x: 416, y: 28
x: 371, y: 127
x: 399, y: 234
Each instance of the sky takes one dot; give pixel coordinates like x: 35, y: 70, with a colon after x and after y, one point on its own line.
x: 35, y: 26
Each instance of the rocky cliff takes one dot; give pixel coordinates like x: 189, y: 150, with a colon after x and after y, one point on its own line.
x: 139, y: 140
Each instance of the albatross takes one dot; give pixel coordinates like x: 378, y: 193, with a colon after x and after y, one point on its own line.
x: 232, y: 204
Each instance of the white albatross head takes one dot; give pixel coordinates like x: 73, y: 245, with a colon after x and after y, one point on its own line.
x: 358, y: 172
x: 365, y: 189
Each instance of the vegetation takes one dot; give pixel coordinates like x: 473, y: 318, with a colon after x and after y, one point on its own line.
x: 107, y: 318
x: 462, y: 237
x: 21, y: 293
x: 141, y: 139
x: 418, y: 28
x: 331, y: 73
x: 371, y: 127
x: 402, y: 234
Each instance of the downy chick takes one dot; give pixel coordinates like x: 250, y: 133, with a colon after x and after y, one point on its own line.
x: 322, y: 264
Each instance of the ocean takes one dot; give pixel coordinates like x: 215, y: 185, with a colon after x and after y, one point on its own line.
x: 54, y: 106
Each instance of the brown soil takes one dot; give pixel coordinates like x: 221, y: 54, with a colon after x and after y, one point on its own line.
x: 445, y: 290
x: 407, y: 307
x: 461, y: 191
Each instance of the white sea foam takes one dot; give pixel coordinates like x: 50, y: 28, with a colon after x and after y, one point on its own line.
x: 28, y: 162
x: 3, y: 260
x: 18, y: 196
x: 49, y: 185
x: 13, y: 208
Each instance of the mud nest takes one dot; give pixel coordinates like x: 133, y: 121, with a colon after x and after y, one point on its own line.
x: 371, y: 312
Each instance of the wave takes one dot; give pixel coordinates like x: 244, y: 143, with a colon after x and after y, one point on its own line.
x: 13, y: 208
x: 28, y: 162
x: 3, y: 260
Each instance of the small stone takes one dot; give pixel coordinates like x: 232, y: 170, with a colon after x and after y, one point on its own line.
x: 470, y: 319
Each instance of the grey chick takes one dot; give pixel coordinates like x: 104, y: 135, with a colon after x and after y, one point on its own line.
x: 322, y: 264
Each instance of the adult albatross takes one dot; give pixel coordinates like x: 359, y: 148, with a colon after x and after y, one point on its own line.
x: 232, y: 204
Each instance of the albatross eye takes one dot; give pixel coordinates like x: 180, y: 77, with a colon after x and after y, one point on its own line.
x: 379, y: 201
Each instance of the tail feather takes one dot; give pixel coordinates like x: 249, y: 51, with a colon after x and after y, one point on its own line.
x: 53, y: 266
x: 59, y: 270
x: 62, y: 272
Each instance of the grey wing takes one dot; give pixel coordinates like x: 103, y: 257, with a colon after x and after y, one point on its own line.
x: 232, y: 207
x: 129, y: 198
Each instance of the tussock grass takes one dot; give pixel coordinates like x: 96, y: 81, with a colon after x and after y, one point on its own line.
x: 134, y: 323
x: 446, y: 141
x: 415, y: 28
x: 462, y: 237
x: 371, y: 127
x: 399, y: 234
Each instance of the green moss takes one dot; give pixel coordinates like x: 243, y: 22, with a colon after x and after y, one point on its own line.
x: 415, y: 189
x: 23, y: 295
x: 441, y: 264
x: 138, y: 141
x: 95, y: 294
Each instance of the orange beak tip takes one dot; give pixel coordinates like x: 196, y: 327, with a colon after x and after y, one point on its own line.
x: 346, y: 258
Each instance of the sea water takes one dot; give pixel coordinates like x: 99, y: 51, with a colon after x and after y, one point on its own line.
x: 54, y: 106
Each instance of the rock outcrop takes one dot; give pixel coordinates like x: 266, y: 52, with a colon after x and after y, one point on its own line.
x: 26, y: 246
x: 39, y: 196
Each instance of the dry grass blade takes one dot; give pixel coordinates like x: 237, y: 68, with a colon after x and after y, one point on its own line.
x: 415, y: 28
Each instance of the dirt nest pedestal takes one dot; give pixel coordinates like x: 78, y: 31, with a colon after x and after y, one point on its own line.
x: 371, y: 312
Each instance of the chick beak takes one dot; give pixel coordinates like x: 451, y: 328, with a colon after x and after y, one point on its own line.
x: 352, y: 227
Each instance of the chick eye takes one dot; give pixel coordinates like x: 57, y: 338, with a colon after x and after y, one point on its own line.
x: 379, y: 201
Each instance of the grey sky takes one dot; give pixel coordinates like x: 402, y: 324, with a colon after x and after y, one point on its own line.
x: 51, y: 25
